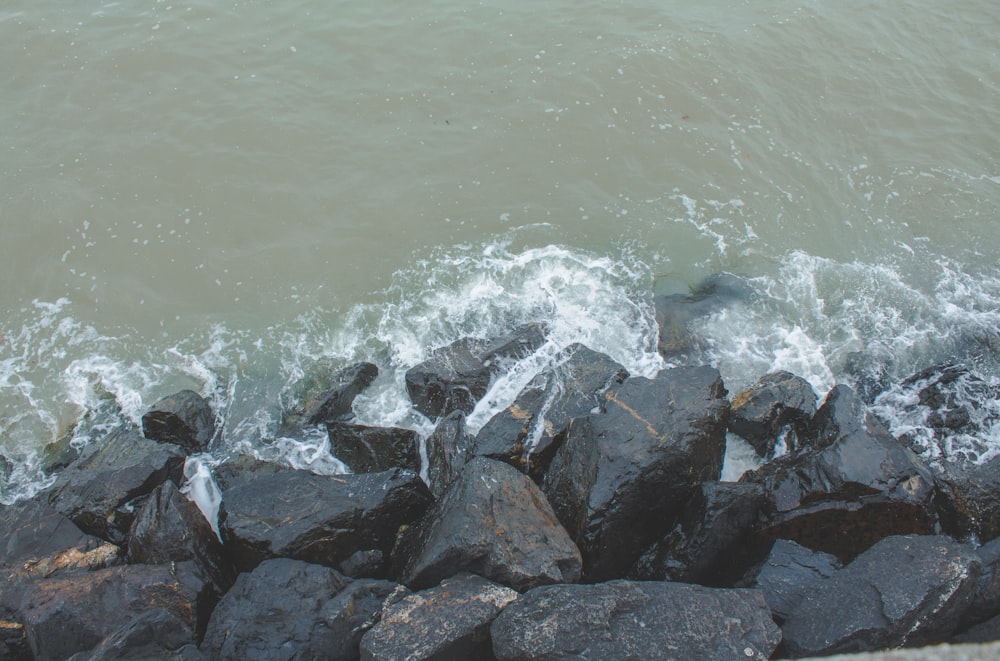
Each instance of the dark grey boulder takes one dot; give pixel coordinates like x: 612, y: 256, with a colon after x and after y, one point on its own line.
x: 635, y: 620
x: 986, y: 603
x: 854, y: 484
x: 450, y: 621
x: 676, y: 313
x: 373, y: 449
x: 969, y: 498
x: 317, y: 518
x: 788, y: 573
x: 457, y: 376
x: 713, y: 542
x: 154, y: 634
x: 243, y: 469
x: 449, y: 447
x: 869, y: 371
x: 289, y: 609
x: 171, y: 528
x: 330, y: 398
x: 100, y: 491
x: 620, y: 477
x: 13, y: 640
x: 526, y: 434
x: 779, y: 403
x: 184, y: 419
x: 66, y: 615
x: 906, y: 590
x: 492, y: 521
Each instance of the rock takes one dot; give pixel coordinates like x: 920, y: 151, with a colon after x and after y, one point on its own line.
x: 71, y: 614
x: 448, y: 450
x: 243, y: 469
x: 289, y: 609
x: 373, y: 449
x: 171, y: 528
x: 986, y: 603
x: 451, y: 621
x: 676, y: 312
x: 100, y: 491
x: 13, y: 640
x: 154, y: 634
x: 184, y: 419
x: 492, y: 521
x: 620, y: 477
x: 788, y: 573
x: 526, y: 434
x: 778, y: 401
x: 635, y: 620
x: 854, y: 485
x: 316, y: 518
x: 969, y: 498
x: 906, y: 590
x: 458, y: 375
x: 984, y: 632
x: 332, y: 401
x: 869, y: 371
x: 713, y: 542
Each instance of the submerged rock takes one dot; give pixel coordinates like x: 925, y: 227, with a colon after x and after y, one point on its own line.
x: 620, y: 477
x: 526, y: 434
x: 331, y: 400
x: 372, y: 449
x: 675, y: 313
x: 635, y: 620
x: 184, y: 419
x: 778, y: 402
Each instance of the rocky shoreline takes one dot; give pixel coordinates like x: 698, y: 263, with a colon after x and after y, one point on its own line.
x: 586, y: 520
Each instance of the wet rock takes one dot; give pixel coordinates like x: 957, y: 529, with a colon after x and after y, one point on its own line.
x: 372, y: 449
x: 243, y: 469
x: 56, y: 455
x: 289, y: 609
x: 450, y: 621
x: 100, y: 491
x: 904, y: 591
x: 184, y: 419
x: 458, y: 375
x: 448, y: 450
x: 986, y: 603
x: 675, y: 313
x: 853, y: 486
x: 620, y: 477
x: 526, y: 434
x: 316, y: 518
x: 984, y: 632
x: 788, y: 573
x: 779, y: 402
x: 13, y: 640
x: 635, y: 620
x: 170, y: 528
x: 71, y: 614
x: 154, y: 634
x: 330, y: 400
x: 969, y: 498
x: 713, y: 542
x: 869, y: 371
x: 492, y: 521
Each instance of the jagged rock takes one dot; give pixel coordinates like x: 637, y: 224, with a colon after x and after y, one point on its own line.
x: 619, y: 478
x: 184, y: 419
x: 450, y: 621
x: 289, y: 609
x: 788, y: 573
x: 869, y: 370
x: 713, y: 542
x: 373, y: 449
x: 100, y: 491
x: 906, y: 590
x: 74, y: 613
x: 332, y: 401
x: 155, y: 634
x: 635, y: 620
x: 171, y: 528
x: 526, y: 434
x: 317, y: 518
x: 458, y: 375
x: 986, y: 603
x: 13, y: 640
x: 243, y: 469
x: 448, y: 450
x: 984, y: 632
x: 853, y: 485
x: 676, y: 312
x: 969, y: 498
x: 777, y: 401
x: 492, y: 521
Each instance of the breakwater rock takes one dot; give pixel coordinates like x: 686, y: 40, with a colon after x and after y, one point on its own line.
x: 585, y: 520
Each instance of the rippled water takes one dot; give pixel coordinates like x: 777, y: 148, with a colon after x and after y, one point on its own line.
x: 218, y: 196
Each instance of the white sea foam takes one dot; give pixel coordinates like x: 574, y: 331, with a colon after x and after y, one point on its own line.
x: 199, y: 485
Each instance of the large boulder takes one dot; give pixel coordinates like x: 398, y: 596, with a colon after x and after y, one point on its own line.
x: 373, y: 449
x: 986, y: 603
x: 318, y: 518
x: 289, y: 609
x: 779, y: 404
x: 853, y: 485
x: 100, y: 491
x: 457, y: 376
x: 154, y: 634
x: 450, y: 621
x: 907, y: 590
x: 449, y: 448
x: 184, y: 419
x: 713, y: 542
x: 526, y: 434
x: 492, y: 521
x: 789, y: 572
x: 242, y: 469
x: 74, y: 613
x: 635, y: 620
x: 620, y: 477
